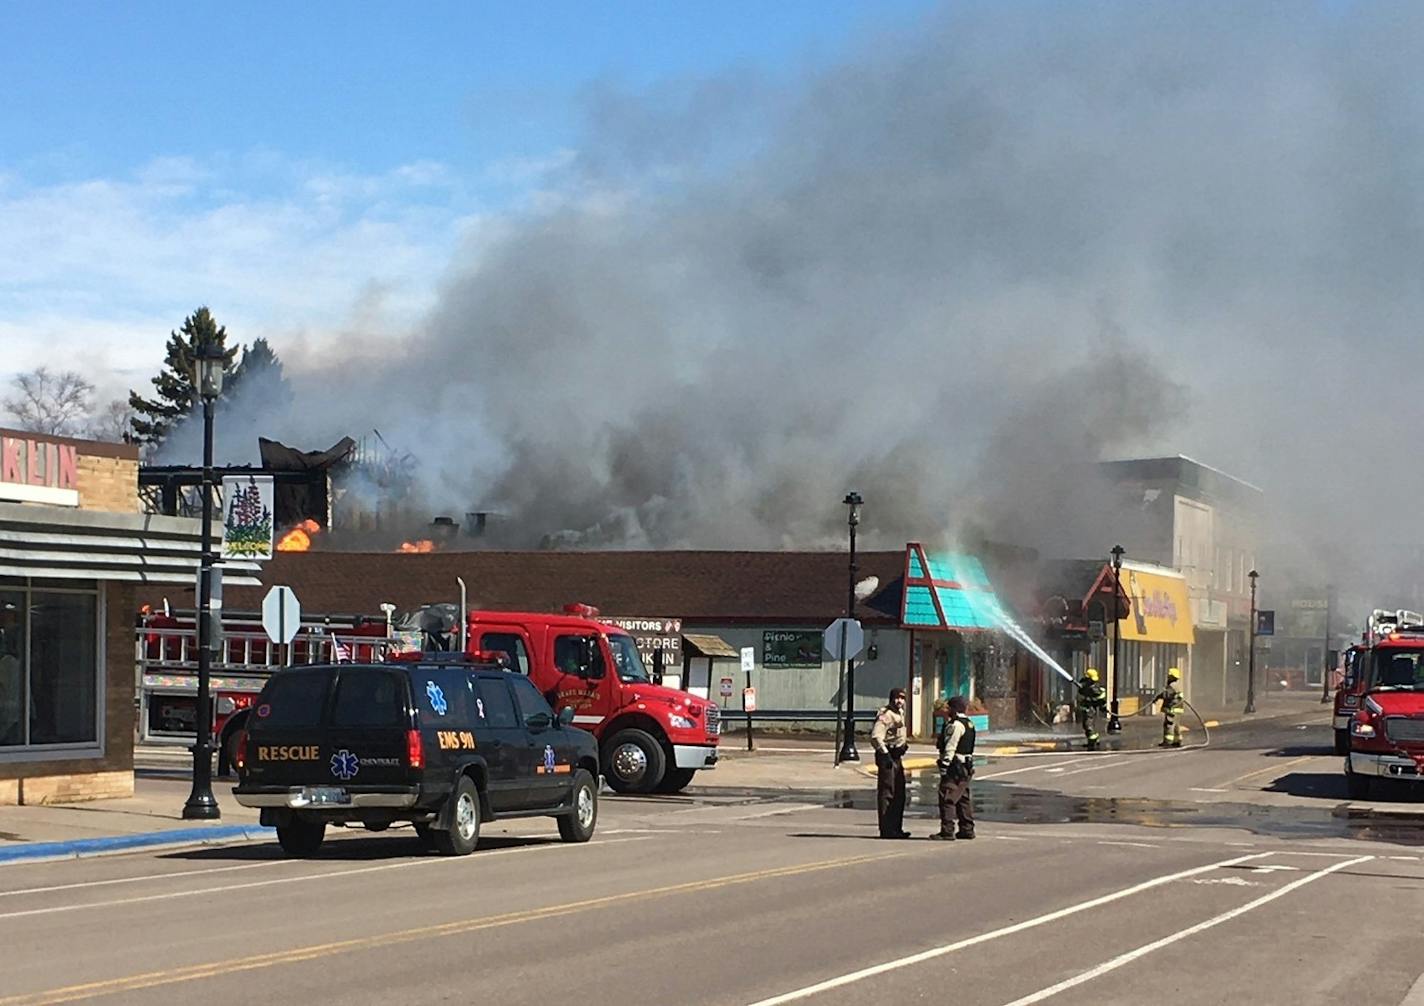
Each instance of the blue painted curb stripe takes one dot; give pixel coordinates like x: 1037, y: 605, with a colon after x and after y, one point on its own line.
x: 117, y: 843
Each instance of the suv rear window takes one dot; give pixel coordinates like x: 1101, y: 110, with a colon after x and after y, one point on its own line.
x: 367, y: 697
x: 292, y: 699
x: 442, y: 695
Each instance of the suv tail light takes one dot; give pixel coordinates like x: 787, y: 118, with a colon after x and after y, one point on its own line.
x: 240, y: 751
x: 414, y: 749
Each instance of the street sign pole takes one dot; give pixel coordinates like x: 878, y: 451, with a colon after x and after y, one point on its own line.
x: 748, y: 662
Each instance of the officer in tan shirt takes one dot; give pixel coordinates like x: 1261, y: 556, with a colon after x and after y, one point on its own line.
x: 888, y: 737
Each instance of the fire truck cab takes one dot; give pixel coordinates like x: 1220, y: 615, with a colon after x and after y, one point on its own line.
x: 651, y: 738
x: 1387, y: 727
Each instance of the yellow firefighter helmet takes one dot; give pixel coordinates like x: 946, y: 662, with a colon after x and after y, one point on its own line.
x: 1173, y: 674
x: 1091, y: 674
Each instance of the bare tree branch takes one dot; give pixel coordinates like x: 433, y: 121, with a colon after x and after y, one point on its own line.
x: 47, y: 402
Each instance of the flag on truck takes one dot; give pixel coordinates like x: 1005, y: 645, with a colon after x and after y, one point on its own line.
x: 339, y: 653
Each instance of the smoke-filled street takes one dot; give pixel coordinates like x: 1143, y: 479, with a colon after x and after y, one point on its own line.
x: 1216, y: 874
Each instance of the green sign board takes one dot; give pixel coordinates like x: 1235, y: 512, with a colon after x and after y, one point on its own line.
x: 791, y: 648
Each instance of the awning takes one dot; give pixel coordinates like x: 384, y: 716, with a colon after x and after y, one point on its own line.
x: 65, y: 544
x: 948, y: 591
x: 710, y: 646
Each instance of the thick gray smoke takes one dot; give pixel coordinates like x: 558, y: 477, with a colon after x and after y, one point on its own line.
x: 977, y: 251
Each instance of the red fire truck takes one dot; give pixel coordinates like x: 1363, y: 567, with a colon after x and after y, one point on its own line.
x: 651, y: 738
x: 1348, y: 695
x: 1387, y: 728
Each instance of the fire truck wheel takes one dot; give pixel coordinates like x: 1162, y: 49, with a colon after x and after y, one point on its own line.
x: 676, y: 780
x: 1342, y: 742
x: 464, y: 832
x: 578, y: 826
x: 301, y: 838
x: 227, y: 759
x: 1358, y: 786
x: 634, y: 761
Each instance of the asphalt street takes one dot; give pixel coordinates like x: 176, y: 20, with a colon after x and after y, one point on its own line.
x: 1230, y: 874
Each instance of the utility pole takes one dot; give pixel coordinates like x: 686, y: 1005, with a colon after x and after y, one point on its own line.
x: 1251, y: 651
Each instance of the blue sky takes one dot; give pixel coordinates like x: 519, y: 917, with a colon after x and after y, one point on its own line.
x: 303, y: 167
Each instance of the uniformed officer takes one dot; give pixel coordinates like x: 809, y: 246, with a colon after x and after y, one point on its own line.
x: 889, y: 740
x: 956, y: 768
x: 1173, y: 705
x: 1092, y: 701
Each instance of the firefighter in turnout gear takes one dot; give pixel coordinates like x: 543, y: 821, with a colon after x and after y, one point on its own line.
x: 1092, y: 702
x: 1173, y: 705
x: 956, y: 768
x: 888, y: 737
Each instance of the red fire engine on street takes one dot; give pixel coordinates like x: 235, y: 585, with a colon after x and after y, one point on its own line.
x: 1387, y: 725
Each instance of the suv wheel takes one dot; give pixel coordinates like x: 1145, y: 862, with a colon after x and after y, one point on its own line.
x: 464, y: 833
x: 578, y: 826
x: 676, y: 780
x: 301, y: 838
x: 635, y: 761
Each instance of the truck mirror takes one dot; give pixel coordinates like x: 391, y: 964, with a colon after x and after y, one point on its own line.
x: 566, y: 716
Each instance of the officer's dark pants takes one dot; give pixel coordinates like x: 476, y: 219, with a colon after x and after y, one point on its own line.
x: 955, y: 804
x: 890, y: 795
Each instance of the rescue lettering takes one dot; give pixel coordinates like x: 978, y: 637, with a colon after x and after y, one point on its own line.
x: 455, y: 740
x: 288, y: 752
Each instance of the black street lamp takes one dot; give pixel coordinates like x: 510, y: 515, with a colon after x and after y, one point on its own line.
x: 201, y: 804
x: 1114, y: 723
x: 1251, y: 650
x: 848, y: 751
x: 1325, y: 657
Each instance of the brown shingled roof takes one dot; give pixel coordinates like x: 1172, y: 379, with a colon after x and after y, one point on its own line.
x: 700, y: 586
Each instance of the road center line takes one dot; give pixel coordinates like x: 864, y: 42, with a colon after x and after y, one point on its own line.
x: 1018, y: 927
x: 194, y: 972
x: 336, y: 874
x: 1182, y: 934
x: 1268, y: 768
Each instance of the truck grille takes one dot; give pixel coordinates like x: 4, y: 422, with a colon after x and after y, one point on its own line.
x: 1404, y: 729
x: 714, y: 720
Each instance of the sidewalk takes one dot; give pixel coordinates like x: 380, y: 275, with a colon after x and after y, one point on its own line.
x: 152, y: 816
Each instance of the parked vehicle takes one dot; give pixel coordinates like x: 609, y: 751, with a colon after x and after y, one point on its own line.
x: 1387, y: 730
x: 445, y: 743
x: 651, y: 738
x: 1349, y: 695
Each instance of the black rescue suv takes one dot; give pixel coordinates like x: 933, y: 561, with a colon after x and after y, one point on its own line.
x: 445, y: 744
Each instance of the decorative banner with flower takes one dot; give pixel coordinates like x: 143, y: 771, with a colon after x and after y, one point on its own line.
x: 247, y: 517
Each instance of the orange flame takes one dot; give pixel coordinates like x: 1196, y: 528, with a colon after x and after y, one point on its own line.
x: 422, y: 545
x: 299, y: 538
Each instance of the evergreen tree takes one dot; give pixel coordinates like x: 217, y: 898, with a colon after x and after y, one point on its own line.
x: 259, y: 383
x: 176, y: 387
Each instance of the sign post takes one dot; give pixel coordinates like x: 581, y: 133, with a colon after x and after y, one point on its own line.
x: 749, y: 693
x: 843, y: 641
x: 281, y: 618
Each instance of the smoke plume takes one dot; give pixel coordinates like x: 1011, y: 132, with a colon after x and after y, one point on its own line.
x: 974, y: 253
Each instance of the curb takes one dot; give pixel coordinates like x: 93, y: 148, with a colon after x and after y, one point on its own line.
x: 80, y: 848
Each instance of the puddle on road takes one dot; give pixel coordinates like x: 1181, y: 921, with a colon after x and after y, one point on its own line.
x: 1017, y: 804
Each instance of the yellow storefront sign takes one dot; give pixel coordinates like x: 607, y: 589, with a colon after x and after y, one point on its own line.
x: 1161, y: 612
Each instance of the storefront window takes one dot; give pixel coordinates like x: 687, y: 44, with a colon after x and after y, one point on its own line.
x: 49, y: 666
x: 12, y: 667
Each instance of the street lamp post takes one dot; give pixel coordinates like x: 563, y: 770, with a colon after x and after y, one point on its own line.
x: 1325, y: 656
x: 1114, y: 723
x: 848, y: 751
x: 201, y: 804
x: 1251, y: 650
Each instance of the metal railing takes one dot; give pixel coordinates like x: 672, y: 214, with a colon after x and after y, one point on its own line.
x: 241, y: 651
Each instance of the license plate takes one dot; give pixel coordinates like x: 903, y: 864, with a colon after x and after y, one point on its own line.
x: 325, y: 796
